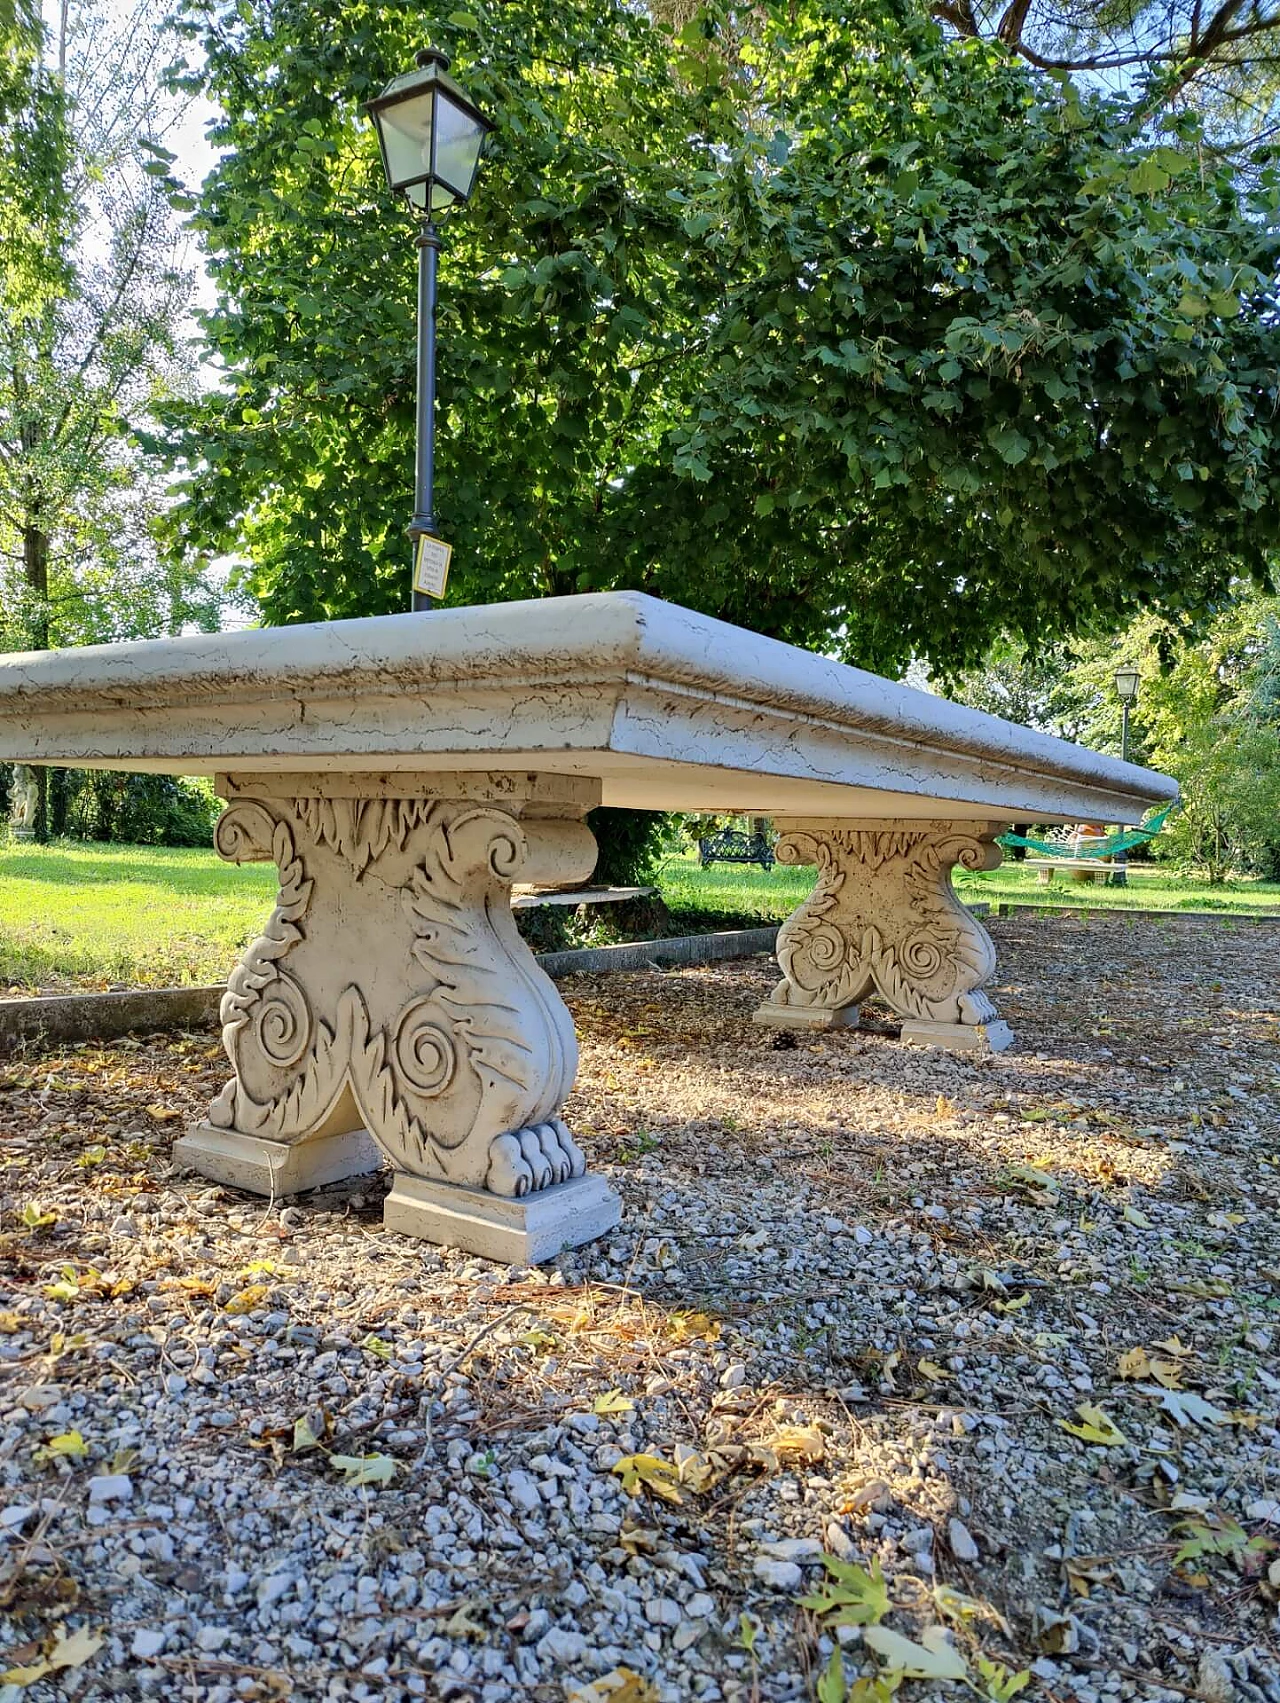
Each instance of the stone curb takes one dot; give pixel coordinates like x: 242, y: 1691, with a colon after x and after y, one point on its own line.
x: 646, y: 954
x: 1007, y: 909
x: 102, y: 1016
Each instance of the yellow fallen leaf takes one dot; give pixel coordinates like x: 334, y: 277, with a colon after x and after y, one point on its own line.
x: 959, y: 1607
x: 365, y: 1469
x: 1134, y: 1363
x: 68, y: 1650
x: 68, y: 1444
x: 621, y: 1685
x: 934, y: 1657
x: 1014, y: 1306
x: 936, y: 1374
x: 304, y: 1436
x: 799, y: 1442
x: 163, y: 1114
x: 34, y: 1219
x: 610, y: 1402
x: 10, y: 1323
x: 1171, y: 1345
x: 639, y: 1540
x: 461, y: 1625
x: 1095, y: 1427
x: 1133, y: 1216
x: 649, y: 1472
x: 1137, y: 1363
x: 685, y: 1327
x: 247, y: 1299
x: 1001, y: 1682
x: 376, y: 1346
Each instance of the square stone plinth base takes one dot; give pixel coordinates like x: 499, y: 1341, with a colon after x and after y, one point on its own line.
x: 523, y: 1231
x: 991, y: 1037
x: 806, y: 1016
x: 277, y: 1168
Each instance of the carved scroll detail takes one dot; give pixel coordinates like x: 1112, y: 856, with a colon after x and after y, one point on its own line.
x: 412, y: 993
x: 883, y: 918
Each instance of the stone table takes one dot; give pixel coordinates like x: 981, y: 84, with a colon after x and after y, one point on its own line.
x: 402, y: 772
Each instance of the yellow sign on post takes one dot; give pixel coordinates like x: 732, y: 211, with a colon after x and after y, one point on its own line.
x: 431, y: 565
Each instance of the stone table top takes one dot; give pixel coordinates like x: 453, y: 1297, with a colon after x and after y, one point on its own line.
x: 667, y: 709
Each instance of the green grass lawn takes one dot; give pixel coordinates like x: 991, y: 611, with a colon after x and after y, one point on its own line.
x: 88, y: 916
x: 746, y: 890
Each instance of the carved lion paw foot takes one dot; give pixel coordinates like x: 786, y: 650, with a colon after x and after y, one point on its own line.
x: 975, y: 1007
x: 534, y: 1158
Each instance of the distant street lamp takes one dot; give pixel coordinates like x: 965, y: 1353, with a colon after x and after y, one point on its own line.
x: 430, y: 135
x: 1126, y: 679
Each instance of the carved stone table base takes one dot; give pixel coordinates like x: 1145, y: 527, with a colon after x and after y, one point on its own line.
x: 277, y: 1168
x: 883, y: 919
x: 522, y: 1231
x: 391, y: 1013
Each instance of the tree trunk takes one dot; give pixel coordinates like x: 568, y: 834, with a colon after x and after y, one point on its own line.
x: 35, y: 566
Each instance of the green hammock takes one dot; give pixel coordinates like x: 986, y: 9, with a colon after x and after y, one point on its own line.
x: 1108, y: 847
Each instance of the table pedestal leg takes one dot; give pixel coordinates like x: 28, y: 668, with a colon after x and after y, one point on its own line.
x: 883, y: 919
x: 390, y: 1012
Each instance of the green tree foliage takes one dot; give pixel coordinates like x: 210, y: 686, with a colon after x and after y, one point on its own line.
x: 139, y: 810
x: 93, y: 292
x: 1207, y: 713
x: 1218, y: 59
x: 840, y: 329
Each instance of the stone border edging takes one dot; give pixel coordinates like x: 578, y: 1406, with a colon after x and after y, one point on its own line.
x: 1009, y: 908
x: 646, y: 954
x: 103, y: 1016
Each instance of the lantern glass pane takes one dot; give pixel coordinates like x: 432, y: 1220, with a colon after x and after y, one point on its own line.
x: 406, y: 137
x: 458, y: 142
x: 441, y: 197
x: 1127, y: 684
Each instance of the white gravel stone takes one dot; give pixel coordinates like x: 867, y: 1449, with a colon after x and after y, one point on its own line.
x: 961, y: 1541
x: 148, y: 1642
x: 562, y: 1647
x: 111, y: 1487
x: 1265, y: 1508
x: 793, y: 1549
x: 523, y: 1491
x: 778, y: 1575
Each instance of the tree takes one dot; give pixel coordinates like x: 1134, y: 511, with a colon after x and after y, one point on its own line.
x: 847, y: 332
x: 95, y: 288
x: 93, y: 292
x: 1207, y: 713
x: 1221, y: 58
x: 1207, y: 718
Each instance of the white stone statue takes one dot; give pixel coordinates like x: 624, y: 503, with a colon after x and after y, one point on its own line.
x: 24, y: 801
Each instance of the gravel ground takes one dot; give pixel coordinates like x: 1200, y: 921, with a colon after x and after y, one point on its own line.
x: 859, y: 1295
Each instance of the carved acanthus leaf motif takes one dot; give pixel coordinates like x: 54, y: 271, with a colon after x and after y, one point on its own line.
x: 465, y: 1079
x: 361, y: 829
x: 883, y: 918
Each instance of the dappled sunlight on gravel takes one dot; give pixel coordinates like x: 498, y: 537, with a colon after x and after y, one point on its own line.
x: 859, y: 1295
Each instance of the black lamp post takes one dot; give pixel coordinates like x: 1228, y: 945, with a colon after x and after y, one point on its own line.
x: 1126, y: 679
x: 430, y: 135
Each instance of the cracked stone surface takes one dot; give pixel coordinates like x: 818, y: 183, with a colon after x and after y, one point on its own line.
x: 669, y: 709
